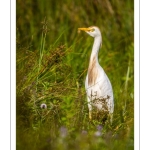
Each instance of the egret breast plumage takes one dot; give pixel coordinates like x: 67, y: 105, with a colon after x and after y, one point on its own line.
x: 97, y: 84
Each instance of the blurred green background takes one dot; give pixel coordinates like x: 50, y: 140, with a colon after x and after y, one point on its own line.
x: 51, y: 65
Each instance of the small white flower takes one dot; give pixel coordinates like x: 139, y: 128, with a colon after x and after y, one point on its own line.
x: 97, y: 133
x: 43, y: 106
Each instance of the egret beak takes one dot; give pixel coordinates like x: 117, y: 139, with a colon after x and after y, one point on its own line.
x: 85, y: 29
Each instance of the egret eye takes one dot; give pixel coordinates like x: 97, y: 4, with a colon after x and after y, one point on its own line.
x: 92, y: 30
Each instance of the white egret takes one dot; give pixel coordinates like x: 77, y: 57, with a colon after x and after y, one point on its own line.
x: 98, y: 87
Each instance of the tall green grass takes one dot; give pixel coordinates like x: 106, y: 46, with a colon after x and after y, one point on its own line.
x: 51, y: 63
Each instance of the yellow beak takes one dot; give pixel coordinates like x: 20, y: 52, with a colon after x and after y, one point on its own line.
x: 85, y: 29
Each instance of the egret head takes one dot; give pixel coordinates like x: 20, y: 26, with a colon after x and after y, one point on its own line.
x: 92, y: 31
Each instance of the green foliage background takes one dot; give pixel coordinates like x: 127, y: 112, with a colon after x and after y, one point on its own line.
x: 51, y: 64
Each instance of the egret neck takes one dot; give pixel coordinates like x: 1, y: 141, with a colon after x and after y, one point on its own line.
x: 95, y: 49
x: 93, y: 65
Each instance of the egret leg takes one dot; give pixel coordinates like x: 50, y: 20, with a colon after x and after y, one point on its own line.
x: 90, y: 115
x: 90, y: 108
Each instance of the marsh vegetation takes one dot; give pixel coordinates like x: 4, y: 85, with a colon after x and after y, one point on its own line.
x: 51, y: 65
